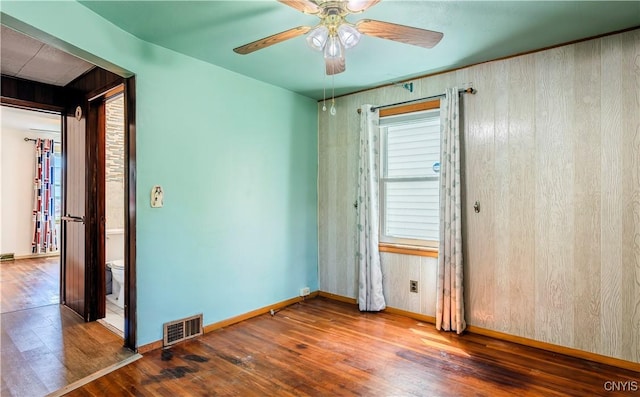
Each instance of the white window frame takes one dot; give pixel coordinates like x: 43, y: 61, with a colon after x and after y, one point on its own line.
x: 386, y: 122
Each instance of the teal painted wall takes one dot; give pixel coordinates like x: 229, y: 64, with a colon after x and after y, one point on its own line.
x: 237, y: 159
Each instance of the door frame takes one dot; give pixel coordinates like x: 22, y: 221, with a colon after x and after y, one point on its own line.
x: 131, y: 292
x: 60, y: 111
x: 95, y: 206
x: 63, y: 100
x: 44, y: 97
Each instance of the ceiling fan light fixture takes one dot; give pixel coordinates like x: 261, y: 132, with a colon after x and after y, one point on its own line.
x: 360, y: 5
x: 349, y: 35
x: 317, y: 38
x: 333, y: 48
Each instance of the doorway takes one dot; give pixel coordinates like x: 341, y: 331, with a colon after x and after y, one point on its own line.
x: 86, y: 137
x: 82, y: 270
x: 114, y: 130
x: 31, y: 164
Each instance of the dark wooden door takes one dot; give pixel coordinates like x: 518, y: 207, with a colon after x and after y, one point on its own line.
x: 95, y: 205
x: 74, y: 216
x: 83, y: 256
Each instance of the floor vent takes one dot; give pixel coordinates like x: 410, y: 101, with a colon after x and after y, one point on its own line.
x: 179, y: 330
x: 7, y: 257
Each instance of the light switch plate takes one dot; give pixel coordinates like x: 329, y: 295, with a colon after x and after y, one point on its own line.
x: 157, y: 197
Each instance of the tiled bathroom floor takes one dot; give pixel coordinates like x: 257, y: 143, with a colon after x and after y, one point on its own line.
x: 114, y: 318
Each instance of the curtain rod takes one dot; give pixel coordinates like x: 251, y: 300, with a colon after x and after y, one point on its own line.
x: 35, y: 140
x: 460, y: 91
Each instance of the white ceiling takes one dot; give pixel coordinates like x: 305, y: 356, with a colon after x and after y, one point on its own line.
x: 26, y: 58
x: 29, y: 121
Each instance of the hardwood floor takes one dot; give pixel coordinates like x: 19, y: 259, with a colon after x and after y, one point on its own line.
x: 45, y: 346
x: 327, y: 348
x: 29, y: 283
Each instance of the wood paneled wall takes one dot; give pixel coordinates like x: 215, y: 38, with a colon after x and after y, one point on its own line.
x: 552, y: 152
x: 25, y: 93
x: 95, y: 81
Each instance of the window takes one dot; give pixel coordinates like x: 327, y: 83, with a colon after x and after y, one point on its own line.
x: 409, y: 183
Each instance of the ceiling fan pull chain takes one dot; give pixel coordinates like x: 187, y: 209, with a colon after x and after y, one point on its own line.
x: 324, y: 93
x: 333, y: 98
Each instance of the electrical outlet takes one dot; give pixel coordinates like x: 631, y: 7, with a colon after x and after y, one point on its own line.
x: 413, y: 286
x: 305, y: 291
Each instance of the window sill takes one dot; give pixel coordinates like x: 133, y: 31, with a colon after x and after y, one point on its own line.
x: 408, y: 250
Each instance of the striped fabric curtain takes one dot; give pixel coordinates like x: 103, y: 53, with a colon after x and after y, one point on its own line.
x: 44, y: 228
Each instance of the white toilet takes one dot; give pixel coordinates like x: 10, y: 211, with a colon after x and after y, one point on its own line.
x: 114, y: 255
x: 117, y: 273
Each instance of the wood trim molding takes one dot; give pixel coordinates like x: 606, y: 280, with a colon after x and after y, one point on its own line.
x: 415, y: 316
x: 131, y: 291
x: 257, y: 312
x: 338, y: 298
x: 406, y: 250
x: 410, y: 108
x: 22, y: 104
x: 392, y: 310
x: 567, y: 351
x: 32, y: 256
x: 119, y: 89
x: 236, y: 319
x: 144, y: 349
x: 95, y: 210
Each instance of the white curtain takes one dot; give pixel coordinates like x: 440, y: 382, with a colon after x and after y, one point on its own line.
x: 370, y: 297
x: 450, y: 302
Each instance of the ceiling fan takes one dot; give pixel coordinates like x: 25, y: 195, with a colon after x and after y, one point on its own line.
x: 334, y: 33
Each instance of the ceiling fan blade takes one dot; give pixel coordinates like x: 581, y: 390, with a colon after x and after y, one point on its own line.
x: 306, y: 6
x: 404, y: 34
x: 356, y: 6
x: 334, y: 65
x: 271, y: 40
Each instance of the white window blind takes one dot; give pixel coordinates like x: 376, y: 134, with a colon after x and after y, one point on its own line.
x: 409, y: 184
